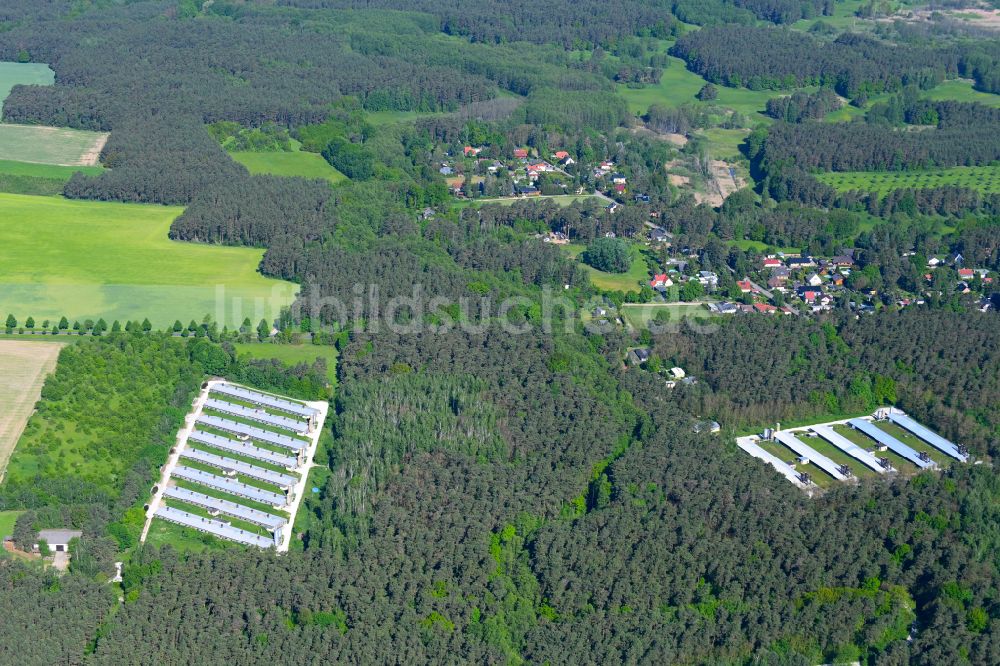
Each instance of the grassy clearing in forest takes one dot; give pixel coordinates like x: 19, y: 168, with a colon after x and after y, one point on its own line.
x: 293, y: 354
x: 296, y: 163
x: 24, y: 73
x: 88, y: 260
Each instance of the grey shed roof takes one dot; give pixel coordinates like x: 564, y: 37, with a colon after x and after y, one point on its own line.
x: 59, y: 536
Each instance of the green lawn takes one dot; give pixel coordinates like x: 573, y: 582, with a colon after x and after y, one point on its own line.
x: 13, y: 73
x: 184, y: 539
x: 293, y: 354
x: 759, y: 246
x: 628, y: 281
x: 641, y: 316
x: 985, y: 179
x: 47, y: 145
x: 7, y: 520
x: 85, y: 259
x: 296, y: 163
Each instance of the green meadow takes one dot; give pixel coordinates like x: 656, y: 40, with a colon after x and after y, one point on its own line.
x: 87, y: 260
x: 679, y: 86
x: 961, y: 90
x: 984, y: 179
x: 631, y: 280
x: 292, y: 354
x: 295, y: 163
x: 26, y: 73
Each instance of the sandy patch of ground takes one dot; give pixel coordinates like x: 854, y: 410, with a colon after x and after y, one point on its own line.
x: 93, y: 153
x: 23, y: 368
x: 985, y: 18
x: 724, y: 181
x: 678, y: 180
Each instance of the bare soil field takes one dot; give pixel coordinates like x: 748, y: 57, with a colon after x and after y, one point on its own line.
x: 23, y: 368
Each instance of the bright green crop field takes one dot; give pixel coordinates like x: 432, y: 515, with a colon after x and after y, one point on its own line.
x: 84, y: 259
x: 296, y: 163
x: 13, y: 73
x: 50, y: 171
x: 985, y: 179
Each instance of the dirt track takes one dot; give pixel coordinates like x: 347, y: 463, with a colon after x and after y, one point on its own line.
x: 23, y: 368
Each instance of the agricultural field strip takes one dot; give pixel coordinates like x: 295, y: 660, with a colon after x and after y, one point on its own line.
x: 60, y: 146
x: 985, y: 179
x: 23, y: 368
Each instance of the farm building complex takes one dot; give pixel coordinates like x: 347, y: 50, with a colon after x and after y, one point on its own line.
x: 887, y: 442
x: 239, y: 468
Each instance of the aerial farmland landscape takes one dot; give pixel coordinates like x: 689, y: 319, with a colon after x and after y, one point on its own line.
x: 385, y: 332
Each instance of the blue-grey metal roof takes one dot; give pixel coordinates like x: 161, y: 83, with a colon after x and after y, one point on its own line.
x: 928, y: 435
x: 218, y: 528
x: 231, y: 486
x: 894, y: 444
x: 295, y: 425
x: 240, y: 467
x: 850, y: 448
x: 268, y: 520
x: 783, y: 468
x: 815, y: 457
x: 241, y: 448
x: 265, y: 399
x: 253, y: 432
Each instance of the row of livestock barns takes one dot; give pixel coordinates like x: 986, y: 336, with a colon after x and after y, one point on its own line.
x: 238, y: 469
x: 887, y: 442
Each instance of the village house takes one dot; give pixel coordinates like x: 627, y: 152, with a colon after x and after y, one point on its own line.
x: 772, y: 262
x: 776, y: 283
x: 661, y: 280
x: 801, y: 262
x: 520, y: 153
x: 638, y: 356
x: 745, y: 285
x: 765, y: 308
x: 708, y: 279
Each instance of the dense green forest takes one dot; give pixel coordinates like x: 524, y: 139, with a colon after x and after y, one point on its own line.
x: 496, y: 485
